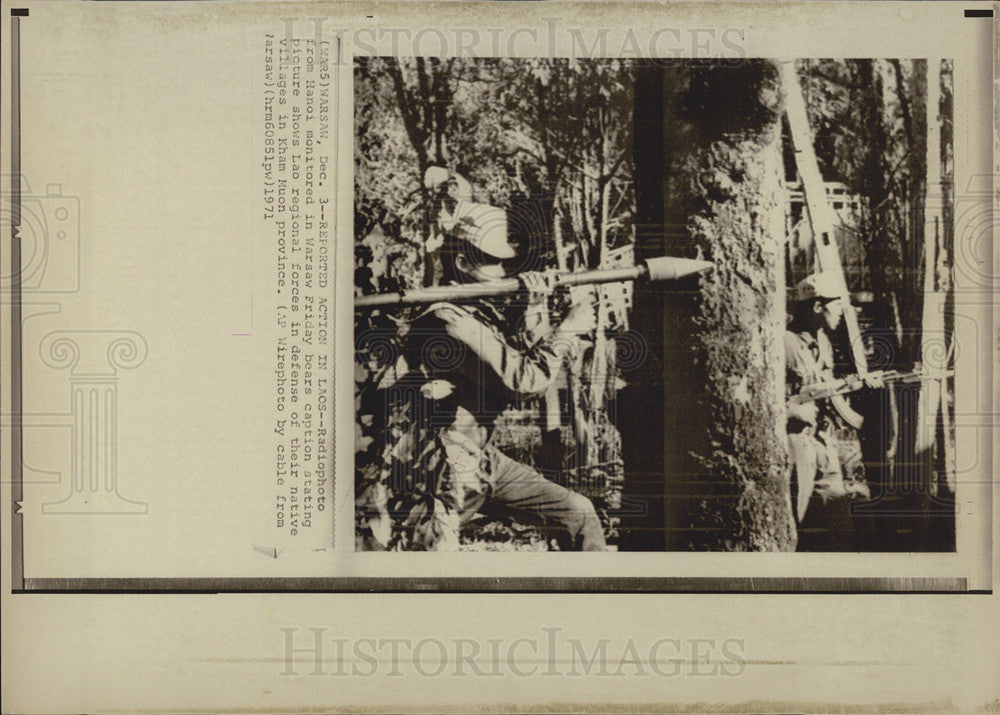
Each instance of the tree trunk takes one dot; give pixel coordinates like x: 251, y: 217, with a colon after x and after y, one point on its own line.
x: 932, y: 323
x: 937, y: 504
x: 882, y: 254
x: 909, y: 490
x: 914, y: 254
x: 708, y: 431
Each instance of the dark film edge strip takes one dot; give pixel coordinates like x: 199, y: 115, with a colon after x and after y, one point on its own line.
x: 17, y: 471
x: 558, y: 585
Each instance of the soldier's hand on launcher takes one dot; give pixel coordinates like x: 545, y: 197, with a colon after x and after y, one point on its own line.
x: 538, y: 283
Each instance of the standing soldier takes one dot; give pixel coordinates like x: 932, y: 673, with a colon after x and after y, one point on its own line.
x: 461, y: 366
x: 821, y: 498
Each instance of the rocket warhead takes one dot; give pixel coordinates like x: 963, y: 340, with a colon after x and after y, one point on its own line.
x: 669, y: 268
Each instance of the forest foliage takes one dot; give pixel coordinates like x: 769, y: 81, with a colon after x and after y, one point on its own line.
x: 551, y: 141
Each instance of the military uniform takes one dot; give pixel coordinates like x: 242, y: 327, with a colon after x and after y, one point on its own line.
x: 820, y: 495
x: 459, y: 371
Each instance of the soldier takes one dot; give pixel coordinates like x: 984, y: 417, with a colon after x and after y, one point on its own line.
x: 462, y: 366
x: 821, y: 498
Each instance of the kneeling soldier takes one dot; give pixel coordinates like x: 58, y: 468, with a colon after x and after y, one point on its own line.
x: 464, y: 365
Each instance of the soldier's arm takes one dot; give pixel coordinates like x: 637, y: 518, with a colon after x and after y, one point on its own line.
x: 536, y: 322
x: 528, y: 372
x: 539, y: 286
x: 798, y: 413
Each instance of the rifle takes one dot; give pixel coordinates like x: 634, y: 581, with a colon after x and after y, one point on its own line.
x: 852, y: 383
x: 663, y: 268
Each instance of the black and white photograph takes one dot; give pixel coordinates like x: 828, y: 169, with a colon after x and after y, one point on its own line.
x: 685, y: 312
x: 654, y: 305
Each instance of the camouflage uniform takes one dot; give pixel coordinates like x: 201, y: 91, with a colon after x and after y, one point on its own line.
x: 457, y: 372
